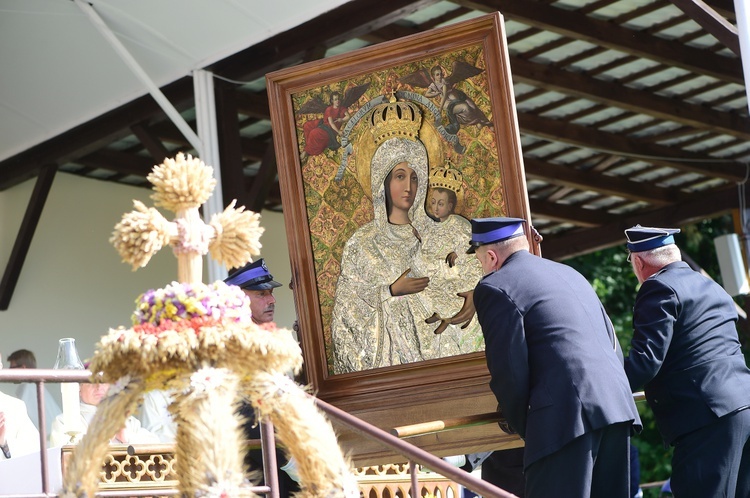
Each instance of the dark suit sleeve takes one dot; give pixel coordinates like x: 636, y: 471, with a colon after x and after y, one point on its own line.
x: 506, y: 352
x: 654, y: 315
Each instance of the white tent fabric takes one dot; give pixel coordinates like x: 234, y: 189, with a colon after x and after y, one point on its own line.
x: 58, y: 71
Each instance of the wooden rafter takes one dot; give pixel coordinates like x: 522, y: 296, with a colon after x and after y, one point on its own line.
x: 612, y: 233
x: 599, y: 32
x: 683, y: 139
x: 26, y: 234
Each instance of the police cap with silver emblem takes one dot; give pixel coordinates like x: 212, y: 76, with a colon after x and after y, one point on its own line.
x: 252, y: 276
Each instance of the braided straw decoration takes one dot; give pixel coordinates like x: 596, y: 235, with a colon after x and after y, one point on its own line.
x: 140, y: 234
x: 209, y: 453
x: 199, y: 342
x: 237, y: 237
x: 306, y: 433
x: 243, y: 349
x: 181, y: 183
x: 82, y: 472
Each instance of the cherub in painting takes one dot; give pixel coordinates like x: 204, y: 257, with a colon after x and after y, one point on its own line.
x: 460, y: 109
x: 322, y: 133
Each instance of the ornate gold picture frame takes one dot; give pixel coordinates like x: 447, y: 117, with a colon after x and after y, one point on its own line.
x: 334, y: 120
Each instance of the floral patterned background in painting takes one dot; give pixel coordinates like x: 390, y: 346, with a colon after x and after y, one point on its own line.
x: 335, y: 209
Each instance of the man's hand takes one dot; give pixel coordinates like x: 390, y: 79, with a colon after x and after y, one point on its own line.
x: 408, y: 285
x: 505, y: 427
x: 120, y: 438
x: 503, y: 424
x: 467, y: 311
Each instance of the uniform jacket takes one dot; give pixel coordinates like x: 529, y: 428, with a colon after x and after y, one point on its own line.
x: 685, y: 351
x: 554, y: 366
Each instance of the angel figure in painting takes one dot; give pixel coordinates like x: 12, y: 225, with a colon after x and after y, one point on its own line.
x: 460, y: 109
x: 383, y: 314
x: 323, y: 133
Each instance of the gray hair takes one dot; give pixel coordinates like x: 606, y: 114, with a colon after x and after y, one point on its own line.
x: 661, y: 256
x: 511, y: 245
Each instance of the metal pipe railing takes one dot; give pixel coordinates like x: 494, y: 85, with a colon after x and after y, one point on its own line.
x: 40, y: 376
x: 392, y: 440
x: 270, y: 468
x: 413, y: 453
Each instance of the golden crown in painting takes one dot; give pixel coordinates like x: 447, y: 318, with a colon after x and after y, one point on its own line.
x: 394, y: 119
x: 447, y: 177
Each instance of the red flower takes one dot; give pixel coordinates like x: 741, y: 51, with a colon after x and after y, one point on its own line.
x: 193, y: 324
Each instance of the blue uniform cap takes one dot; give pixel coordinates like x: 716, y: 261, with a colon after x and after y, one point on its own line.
x: 489, y: 230
x: 252, y: 276
x: 646, y: 238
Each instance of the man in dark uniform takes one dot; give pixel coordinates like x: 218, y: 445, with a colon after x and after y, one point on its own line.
x: 503, y: 468
x: 555, y: 367
x: 686, y: 355
x: 258, y: 284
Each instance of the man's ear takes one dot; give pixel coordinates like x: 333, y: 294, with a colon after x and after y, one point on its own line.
x: 493, y: 257
x: 639, y: 262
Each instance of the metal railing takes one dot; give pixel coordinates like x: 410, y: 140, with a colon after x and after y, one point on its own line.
x: 392, y: 440
x: 414, y: 454
x: 43, y: 376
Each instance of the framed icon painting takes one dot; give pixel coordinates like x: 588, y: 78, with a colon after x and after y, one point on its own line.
x: 384, y: 155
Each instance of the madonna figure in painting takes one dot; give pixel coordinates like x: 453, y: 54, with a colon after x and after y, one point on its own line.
x: 381, y: 310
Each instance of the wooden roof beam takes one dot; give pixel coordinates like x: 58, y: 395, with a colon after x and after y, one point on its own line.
x: 89, y: 136
x: 598, y: 32
x: 263, y: 180
x: 569, y: 213
x: 711, y: 21
x: 630, y: 99
x: 352, y: 19
x: 150, y: 141
x: 230, y: 144
x: 576, y: 243
x: 591, y: 137
x: 119, y: 162
x: 25, y: 234
x: 253, y: 104
x: 252, y: 148
x: 607, y: 185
